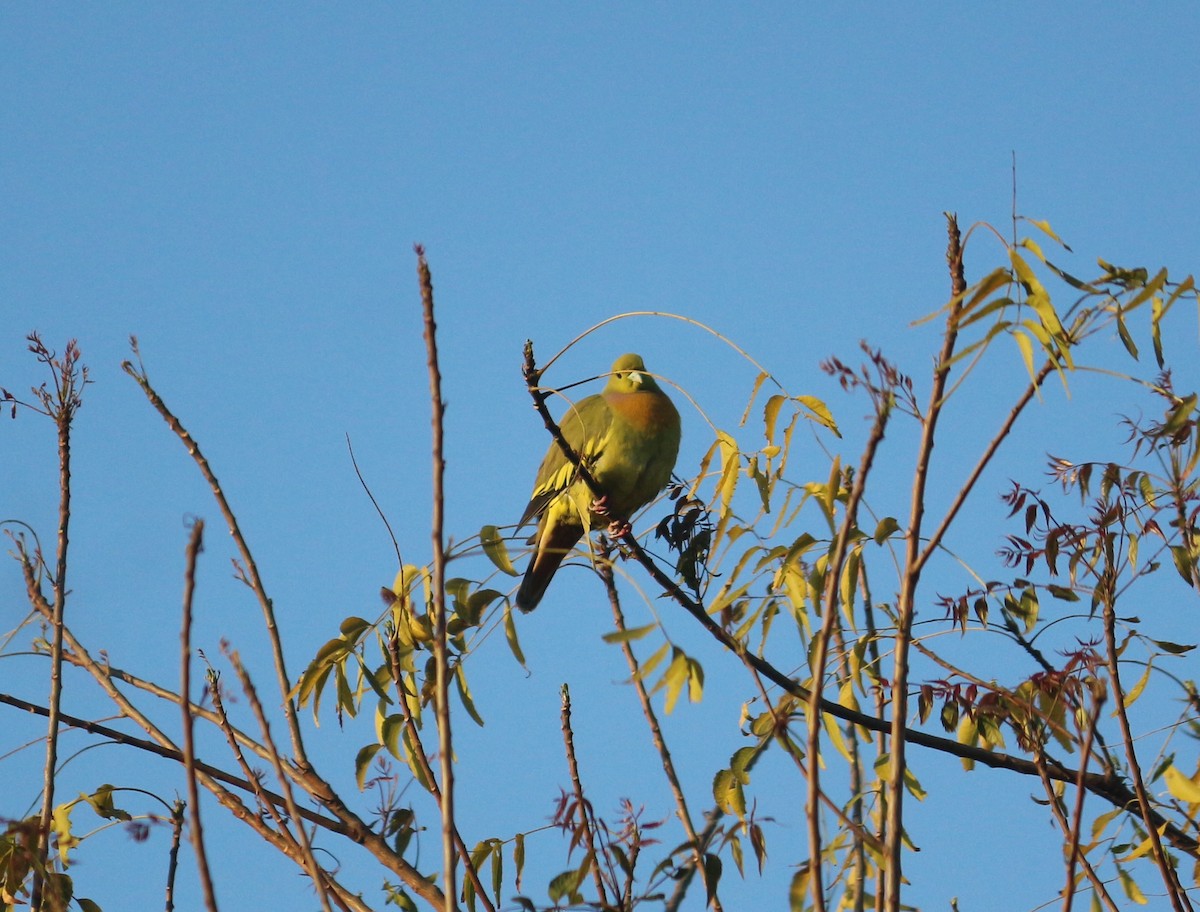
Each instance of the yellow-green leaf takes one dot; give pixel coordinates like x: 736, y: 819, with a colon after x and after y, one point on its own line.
x: 362, y: 763
x: 819, y: 412
x: 628, y: 635
x: 496, y: 550
x: 510, y: 634
x: 1182, y: 787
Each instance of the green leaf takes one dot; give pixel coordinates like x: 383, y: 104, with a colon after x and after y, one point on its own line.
x: 648, y: 666
x: 884, y: 530
x: 1183, y: 563
x: 1026, y: 348
x: 519, y: 856
x: 390, y: 731
x: 60, y: 825
x: 1134, y: 692
x: 798, y: 891
x: 101, y: 802
x: 771, y: 415
x: 566, y: 886
x: 1126, y: 339
x: 1131, y: 888
x: 1173, y: 648
x: 695, y: 681
x: 712, y: 874
x: 758, y: 382
x: 675, y: 677
x: 1182, y: 787
x: 87, y: 905
x: 497, y: 868
x: 353, y: 627
x: 510, y: 634
x: 464, y: 694
x: 496, y: 550
x: 728, y: 793
x: 819, y: 412
x: 1065, y: 593
x: 835, y: 735
x: 362, y: 763
x: 628, y: 635
x: 1043, y: 226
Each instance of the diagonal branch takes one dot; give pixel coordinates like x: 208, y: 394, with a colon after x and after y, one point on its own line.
x: 1108, y: 786
x: 268, y: 608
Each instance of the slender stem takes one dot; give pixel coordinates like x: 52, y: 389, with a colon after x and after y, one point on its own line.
x: 1074, y: 830
x: 178, y: 815
x: 984, y: 461
x: 63, y: 406
x: 830, y: 603
x: 604, y: 569
x: 195, y: 545
x: 1108, y: 786
x: 1179, y: 898
x: 440, y: 651
x: 580, y: 801
x: 303, y: 843
x: 347, y: 823
x: 252, y: 576
x: 418, y: 754
x: 1072, y: 834
x: 912, y: 573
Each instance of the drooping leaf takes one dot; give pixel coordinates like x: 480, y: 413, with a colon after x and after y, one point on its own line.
x: 362, y: 763
x: 496, y: 550
x: 1185, y: 788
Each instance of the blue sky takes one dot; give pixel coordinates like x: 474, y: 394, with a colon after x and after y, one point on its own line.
x: 240, y: 186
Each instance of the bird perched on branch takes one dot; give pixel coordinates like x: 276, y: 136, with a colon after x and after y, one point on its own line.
x: 628, y: 437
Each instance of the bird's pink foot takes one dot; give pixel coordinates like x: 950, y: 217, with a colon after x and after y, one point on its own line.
x: 618, y: 528
x: 600, y: 505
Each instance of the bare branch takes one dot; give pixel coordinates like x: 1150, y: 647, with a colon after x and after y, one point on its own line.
x: 139, y: 374
x: 195, y: 545
x: 438, y: 609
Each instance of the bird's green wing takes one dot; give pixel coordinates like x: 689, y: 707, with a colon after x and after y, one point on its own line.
x: 585, y: 427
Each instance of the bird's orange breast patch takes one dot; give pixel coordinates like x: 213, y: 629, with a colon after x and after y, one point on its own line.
x: 644, y: 410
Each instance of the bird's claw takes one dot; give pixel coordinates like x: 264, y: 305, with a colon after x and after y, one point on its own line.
x: 600, y: 505
x: 618, y: 528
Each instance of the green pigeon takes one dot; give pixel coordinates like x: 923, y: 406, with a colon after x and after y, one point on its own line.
x: 628, y: 436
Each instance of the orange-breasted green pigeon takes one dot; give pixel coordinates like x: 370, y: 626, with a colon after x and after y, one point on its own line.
x: 628, y: 437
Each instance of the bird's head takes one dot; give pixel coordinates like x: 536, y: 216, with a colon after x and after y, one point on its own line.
x: 628, y: 375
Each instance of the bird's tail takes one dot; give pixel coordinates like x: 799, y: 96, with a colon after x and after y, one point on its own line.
x: 553, y: 545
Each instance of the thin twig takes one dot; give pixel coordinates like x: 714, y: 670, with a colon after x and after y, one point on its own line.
x: 195, y: 545
x: 1074, y: 831
x: 1179, y: 898
x: 580, y: 801
x: 830, y: 603
x: 1108, y: 786
x: 438, y: 608
x: 305, y: 845
x: 347, y: 822
x: 984, y: 461
x: 178, y: 815
x: 1072, y: 835
x: 604, y: 569
x: 139, y: 374
x: 213, y: 772
x: 417, y: 752
x: 62, y: 406
x: 362, y: 481
x: 906, y: 607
